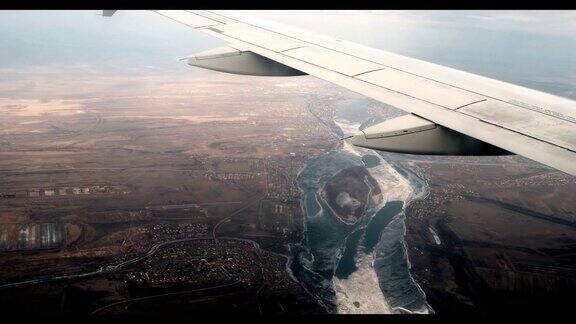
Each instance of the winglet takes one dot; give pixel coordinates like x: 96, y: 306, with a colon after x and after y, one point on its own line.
x: 108, y: 13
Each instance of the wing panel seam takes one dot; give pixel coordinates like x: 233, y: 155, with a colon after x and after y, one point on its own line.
x: 468, y: 104
x: 293, y: 48
x: 378, y: 69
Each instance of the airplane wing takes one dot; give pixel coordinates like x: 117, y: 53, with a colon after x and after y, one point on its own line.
x: 452, y: 112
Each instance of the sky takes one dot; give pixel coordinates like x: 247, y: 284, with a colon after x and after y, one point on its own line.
x: 530, y: 48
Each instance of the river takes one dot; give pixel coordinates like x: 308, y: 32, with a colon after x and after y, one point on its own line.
x: 361, y: 267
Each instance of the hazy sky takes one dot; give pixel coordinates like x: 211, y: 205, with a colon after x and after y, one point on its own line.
x: 530, y: 48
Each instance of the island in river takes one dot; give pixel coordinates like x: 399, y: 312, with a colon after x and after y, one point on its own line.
x: 349, y: 192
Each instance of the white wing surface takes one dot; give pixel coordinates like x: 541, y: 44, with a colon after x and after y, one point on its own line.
x: 527, y: 122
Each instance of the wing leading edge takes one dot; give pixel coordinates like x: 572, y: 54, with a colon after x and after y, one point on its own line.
x: 527, y: 122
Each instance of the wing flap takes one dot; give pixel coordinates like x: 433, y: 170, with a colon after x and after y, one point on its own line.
x: 538, y: 125
x: 332, y: 60
x: 271, y: 41
x: 421, y: 88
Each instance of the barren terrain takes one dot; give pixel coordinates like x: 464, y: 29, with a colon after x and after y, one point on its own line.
x: 165, y: 191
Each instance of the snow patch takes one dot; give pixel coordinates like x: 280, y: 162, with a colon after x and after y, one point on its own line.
x: 345, y: 200
x: 360, y: 293
x: 435, y: 235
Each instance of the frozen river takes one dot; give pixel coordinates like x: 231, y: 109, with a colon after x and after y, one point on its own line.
x: 361, y: 267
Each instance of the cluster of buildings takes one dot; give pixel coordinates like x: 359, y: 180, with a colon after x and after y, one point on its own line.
x: 71, y: 191
x: 232, y: 176
x: 161, y: 232
x: 31, y: 236
x: 200, y: 263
